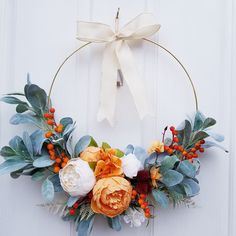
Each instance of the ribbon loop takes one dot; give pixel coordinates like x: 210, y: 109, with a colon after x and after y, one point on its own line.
x: 118, y: 56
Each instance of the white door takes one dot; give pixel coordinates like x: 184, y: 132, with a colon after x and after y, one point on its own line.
x: 35, y: 36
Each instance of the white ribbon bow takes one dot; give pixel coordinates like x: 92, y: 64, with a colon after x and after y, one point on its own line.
x: 118, y: 56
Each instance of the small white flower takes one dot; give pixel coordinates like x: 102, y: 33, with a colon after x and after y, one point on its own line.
x: 77, y: 178
x: 134, y: 217
x: 131, y: 165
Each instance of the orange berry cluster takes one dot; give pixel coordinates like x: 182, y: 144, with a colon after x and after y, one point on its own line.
x: 142, y: 202
x: 60, y: 160
x: 51, y: 121
x: 189, y: 155
x: 72, y: 210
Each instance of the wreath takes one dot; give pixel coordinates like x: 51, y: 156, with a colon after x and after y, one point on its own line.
x: 97, y: 179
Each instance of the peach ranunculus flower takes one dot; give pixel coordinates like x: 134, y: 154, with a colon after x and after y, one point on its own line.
x: 109, y: 165
x: 156, y: 146
x: 111, y: 196
x: 91, y: 154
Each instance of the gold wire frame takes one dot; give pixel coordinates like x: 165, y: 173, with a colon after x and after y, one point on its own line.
x: 145, y: 39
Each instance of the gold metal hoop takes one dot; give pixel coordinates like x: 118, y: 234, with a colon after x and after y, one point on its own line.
x: 145, y: 39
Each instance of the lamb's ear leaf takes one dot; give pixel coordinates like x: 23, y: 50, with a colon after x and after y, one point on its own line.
x: 43, y: 161
x: 12, y: 165
x: 208, y: 122
x: 198, y: 121
x: 161, y: 198
x: 85, y: 226
x: 47, y: 190
x: 37, y: 139
x: 114, y: 223
x: 82, y: 144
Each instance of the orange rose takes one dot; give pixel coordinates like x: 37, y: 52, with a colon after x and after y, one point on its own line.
x: 91, y: 154
x: 111, y: 196
x: 109, y: 165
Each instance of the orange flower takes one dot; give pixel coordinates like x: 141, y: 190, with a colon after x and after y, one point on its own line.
x: 156, y: 146
x: 155, y: 175
x: 109, y: 165
x: 111, y: 196
x: 91, y: 154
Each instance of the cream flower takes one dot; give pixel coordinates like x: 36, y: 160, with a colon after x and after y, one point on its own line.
x: 156, y: 146
x: 77, y: 178
x: 131, y: 165
x: 134, y: 218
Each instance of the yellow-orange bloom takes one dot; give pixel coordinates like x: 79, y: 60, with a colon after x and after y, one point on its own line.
x: 155, y: 175
x: 156, y: 146
x: 111, y: 196
x: 108, y: 166
x: 91, y: 154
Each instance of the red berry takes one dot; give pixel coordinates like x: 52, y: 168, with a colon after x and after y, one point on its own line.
x: 197, y: 145
x: 50, y: 122
x: 195, y: 155
x: 175, y: 139
x: 50, y: 146
x: 172, y: 128
x: 48, y: 134
x: 46, y: 115
x: 175, y: 132
x: 193, y: 150
x: 166, y: 148
x: 72, y: 212
x: 76, y: 205
x: 52, y: 110
x: 202, y: 141
x: 201, y: 150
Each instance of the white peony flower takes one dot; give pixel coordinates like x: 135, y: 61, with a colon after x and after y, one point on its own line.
x: 131, y: 165
x: 134, y: 217
x: 77, y: 178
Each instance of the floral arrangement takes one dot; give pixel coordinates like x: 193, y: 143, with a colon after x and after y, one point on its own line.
x: 122, y: 185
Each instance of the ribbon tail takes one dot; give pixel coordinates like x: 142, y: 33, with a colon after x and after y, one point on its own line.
x: 108, y: 85
x: 127, y: 66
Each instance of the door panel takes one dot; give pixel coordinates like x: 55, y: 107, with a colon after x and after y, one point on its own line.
x: 37, y: 35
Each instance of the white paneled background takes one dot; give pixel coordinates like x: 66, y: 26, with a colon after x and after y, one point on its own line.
x: 35, y: 36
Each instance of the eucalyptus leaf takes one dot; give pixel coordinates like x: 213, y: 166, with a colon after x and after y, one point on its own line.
x: 12, y: 165
x: 47, y: 190
x: 171, y: 178
x: 186, y: 168
x: 161, y: 198
x: 12, y: 100
x: 129, y: 149
x: 114, y: 223
x: 43, y: 161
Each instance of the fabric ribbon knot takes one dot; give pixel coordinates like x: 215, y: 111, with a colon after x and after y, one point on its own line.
x: 118, y: 56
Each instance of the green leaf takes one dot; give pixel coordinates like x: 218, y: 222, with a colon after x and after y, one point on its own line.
x: 24, y: 119
x: 28, y: 144
x: 199, y: 136
x: 82, y: 144
x: 119, y: 153
x: 171, y: 178
x: 93, y: 143
x: 37, y: 139
x: 161, y: 198
x: 47, y: 190
x: 7, y: 152
x: 12, y: 100
x: 85, y: 226
x: 37, y: 97
x: 187, y: 133
x: 186, y: 168
x: 114, y: 223
x: 66, y: 121
x: 37, y: 176
x: 198, y: 121
x: 12, y: 165
x: 43, y: 161
x: 208, y: 122
x: 21, y: 108
x: 168, y: 163
x: 105, y: 146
